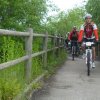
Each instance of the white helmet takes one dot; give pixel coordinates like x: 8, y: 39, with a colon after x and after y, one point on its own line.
x: 87, y: 16
x: 68, y: 32
x: 74, y: 26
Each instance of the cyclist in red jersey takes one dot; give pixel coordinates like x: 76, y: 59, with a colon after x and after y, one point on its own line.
x: 88, y: 30
x: 73, y: 37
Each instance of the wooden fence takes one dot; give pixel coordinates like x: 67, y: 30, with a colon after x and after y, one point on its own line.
x: 29, y: 37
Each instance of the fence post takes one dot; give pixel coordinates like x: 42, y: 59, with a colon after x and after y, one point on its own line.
x: 54, y: 40
x: 28, y: 48
x: 58, y: 46
x: 59, y: 43
x: 45, y: 45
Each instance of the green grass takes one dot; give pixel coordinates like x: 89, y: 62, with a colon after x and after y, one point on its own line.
x: 12, y: 79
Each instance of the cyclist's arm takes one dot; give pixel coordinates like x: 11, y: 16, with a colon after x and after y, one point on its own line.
x: 95, y: 30
x: 80, y: 36
x: 77, y: 34
x: 70, y: 36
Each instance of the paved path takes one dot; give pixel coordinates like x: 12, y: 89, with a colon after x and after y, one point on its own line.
x: 72, y: 83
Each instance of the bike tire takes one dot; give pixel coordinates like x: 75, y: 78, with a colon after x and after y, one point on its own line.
x: 73, y: 52
x: 88, y: 63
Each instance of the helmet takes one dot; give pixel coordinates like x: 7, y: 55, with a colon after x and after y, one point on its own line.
x: 74, y: 27
x: 87, y: 16
x: 68, y: 32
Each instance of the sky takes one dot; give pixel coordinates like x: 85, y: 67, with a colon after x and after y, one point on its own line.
x: 65, y: 5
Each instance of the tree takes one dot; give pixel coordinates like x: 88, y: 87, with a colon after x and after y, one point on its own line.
x: 93, y: 7
x: 65, y: 21
x: 20, y: 14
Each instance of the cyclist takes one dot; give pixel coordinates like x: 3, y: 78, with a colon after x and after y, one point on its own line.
x: 73, y: 37
x: 88, y: 30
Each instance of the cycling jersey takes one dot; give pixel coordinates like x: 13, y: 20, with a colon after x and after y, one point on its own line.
x: 89, y: 30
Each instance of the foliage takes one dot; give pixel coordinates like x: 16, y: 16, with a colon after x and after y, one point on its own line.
x: 20, y: 14
x: 93, y: 7
x: 54, y: 60
x: 37, y: 67
x: 11, y: 79
x: 65, y: 21
x: 37, y: 85
x: 9, y: 89
x: 9, y: 48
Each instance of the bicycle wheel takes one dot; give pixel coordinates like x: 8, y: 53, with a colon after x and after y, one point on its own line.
x: 88, y: 63
x: 73, y: 52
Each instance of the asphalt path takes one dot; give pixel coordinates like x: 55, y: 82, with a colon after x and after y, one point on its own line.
x: 72, y: 83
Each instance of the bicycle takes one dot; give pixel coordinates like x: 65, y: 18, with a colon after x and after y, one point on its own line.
x: 88, y: 52
x: 73, y: 49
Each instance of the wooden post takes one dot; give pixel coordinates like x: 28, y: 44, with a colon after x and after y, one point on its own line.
x: 57, y: 51
x: 59, y: 44
x: 62, y: 42
x: 45, y: 45
x: 28, y: 48
x: 54, y: 44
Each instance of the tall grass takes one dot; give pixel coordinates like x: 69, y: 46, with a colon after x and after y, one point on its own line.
x: 12, y: 79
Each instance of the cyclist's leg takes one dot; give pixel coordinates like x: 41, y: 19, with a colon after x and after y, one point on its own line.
x: 77, y: 50
x: 93, y: 56
x: 83, y: 45
x: 84, y: 49
x: 93, y: 53
x: 93, y: 50
x: 71, y: 46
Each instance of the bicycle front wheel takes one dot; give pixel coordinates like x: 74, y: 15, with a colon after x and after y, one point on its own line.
x: 88, y: 63
x: 73, y: 52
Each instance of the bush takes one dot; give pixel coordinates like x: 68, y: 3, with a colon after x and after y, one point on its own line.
x: 9, y: 89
